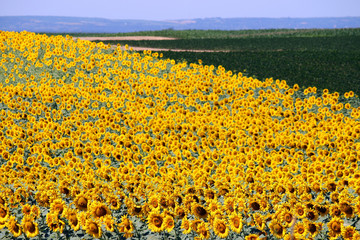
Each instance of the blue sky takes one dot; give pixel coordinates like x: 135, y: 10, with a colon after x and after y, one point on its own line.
x: 181, y: 9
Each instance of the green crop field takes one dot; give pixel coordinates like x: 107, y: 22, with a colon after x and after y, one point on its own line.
x: 327, y: 59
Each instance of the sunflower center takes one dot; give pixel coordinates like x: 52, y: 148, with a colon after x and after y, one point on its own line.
x: 255, y: 206
x: 348, y: 209
x: 15, y: 227
x: 301, y: 230
x: 335, y: 227
x: 82, y: 202
x: 201, y: 211
x: 277, y: 229
x: 73, y: 219
x: 300, y: 211
x: 312, y: 228
x: 114, y: 202
x: 100, y: 211
x: 311, y: 216
x: 2, y: 212
x: 93, y: 228
x: 222, y: 228
x: 30, y: 227
x: 158, y: 222
x: 236, y: 223
x: 288, y: 217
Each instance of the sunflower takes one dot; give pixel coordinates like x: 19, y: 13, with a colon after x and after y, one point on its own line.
x: 203, y: 230
x: 4, y: 213
x: 14, y: 227
x: 349, y: 232
x: 155, y: 221
x: 180, y: 212
x: 347, y: 209
x: 277, y: 229
x: 99, y: 209
x: 81, y: 202
x: 54, y: 223
x: 300, y: 210
x: 235, y: 221
x: 199, y: 211
x: 334, y: 210
x: 114, y: 202
x: 254, y: 205
x: 29, y: 226
x: 259, y: 221
x: 322, y: 210
x: 185, y: 225
x: 126, y: 227
x: 312, y: 215
x: 72, y: 217
x: 313, y: 228
x: 194, y: 224
x: 169, y: 223
x: 220, y: 228
x: 108, y: 221
x: 252, y: 237
x: 58, y: 206
x: 93, y: 228
x: 26, y: 209
x: 300, y: 230
x: 335, y: 226
x: 287, y: 219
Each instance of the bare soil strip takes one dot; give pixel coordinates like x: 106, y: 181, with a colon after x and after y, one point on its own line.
x: 135, y: 38
x: 146, y: 48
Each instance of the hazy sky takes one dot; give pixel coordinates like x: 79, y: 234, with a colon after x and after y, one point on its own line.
x: 181, y: 9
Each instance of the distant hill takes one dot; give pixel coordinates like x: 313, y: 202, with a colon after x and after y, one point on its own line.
x: 101, y: 25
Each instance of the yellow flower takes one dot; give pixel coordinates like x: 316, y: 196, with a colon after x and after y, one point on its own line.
x: 81, y: 201
x: 108, y: 221
x: 220, y: 228
x: 4, y: 213
x: 235, y: 221
x: 14, y: 227
x: 203, y: 230
x: 253, y: 237
x: 335, y: 226
x: 155, y: 221
x: 30, y: 227
x: 126, y: 227
x: 169, y: 223
x: 185, y: 225
x: 99, y: 209
x: 277, y: 229
x: 58, y: 206
x: 93, y: 228
x: 199, y: 211
x: 72, y: 217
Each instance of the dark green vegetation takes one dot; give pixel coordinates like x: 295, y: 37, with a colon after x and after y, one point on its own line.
x: 322, y: 58
x: 200, y: 34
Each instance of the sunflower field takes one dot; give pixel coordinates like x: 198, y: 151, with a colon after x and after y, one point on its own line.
x: 100, y: 142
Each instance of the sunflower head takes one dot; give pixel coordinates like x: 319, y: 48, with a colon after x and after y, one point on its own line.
x: 14, y: 227
x: 155, y: 221
x: 199, y: 211
x: 169, y: 223
x: 277, y: 229
x: 93, y: 228
x: 99, y: 209
x: 30, y: 227
x: 81, y: 202
x: 220, y: 228
x: 335, y: 226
